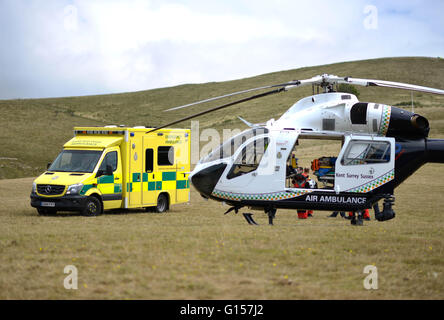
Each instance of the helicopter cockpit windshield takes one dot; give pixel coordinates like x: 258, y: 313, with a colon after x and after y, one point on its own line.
x: 229, y: 147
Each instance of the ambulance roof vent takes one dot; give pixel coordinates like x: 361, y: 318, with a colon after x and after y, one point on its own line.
x: 139, y: 127
x: 111, y: 126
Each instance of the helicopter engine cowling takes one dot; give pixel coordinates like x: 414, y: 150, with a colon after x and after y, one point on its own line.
x: 407, y: 124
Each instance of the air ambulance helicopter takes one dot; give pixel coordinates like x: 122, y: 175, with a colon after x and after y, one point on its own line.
x: 381, y: 146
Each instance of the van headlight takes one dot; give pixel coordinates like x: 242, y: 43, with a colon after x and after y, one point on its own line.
x: 74, y: 188
x: 34, y: 187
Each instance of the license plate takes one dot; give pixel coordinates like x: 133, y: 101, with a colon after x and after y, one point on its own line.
x: 48, y: 204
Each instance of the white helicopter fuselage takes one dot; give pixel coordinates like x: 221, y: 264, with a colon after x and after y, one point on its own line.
x: 332, y: 112
x: 322, y: 116
x: 256, y: 167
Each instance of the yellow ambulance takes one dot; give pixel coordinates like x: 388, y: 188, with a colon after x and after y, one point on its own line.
x: 115, y: 167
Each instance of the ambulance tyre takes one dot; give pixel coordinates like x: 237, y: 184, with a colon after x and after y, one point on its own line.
x: 162, y: 203
x: 93, y: 207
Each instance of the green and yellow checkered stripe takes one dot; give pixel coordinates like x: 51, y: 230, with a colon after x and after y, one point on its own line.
x: 374, y: 183
x: 169, y: 180
x: 385, y: 120
x: 105, y: 184
x: 259, y: 196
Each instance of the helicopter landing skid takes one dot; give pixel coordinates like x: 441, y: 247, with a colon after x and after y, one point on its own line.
x: 271, y: 214
x: 357, y: 219
x: 249, y: 218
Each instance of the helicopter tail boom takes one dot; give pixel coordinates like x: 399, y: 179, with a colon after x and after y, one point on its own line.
x: 435, y: 150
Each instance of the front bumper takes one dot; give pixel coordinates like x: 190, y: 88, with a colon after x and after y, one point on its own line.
x: 64, y: 203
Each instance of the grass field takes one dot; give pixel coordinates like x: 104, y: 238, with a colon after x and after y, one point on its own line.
x: 196, y: 252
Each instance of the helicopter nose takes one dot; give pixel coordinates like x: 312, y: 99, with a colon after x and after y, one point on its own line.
x: 206, y: 179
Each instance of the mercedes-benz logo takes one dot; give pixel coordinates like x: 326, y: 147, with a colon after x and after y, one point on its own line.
x: 48, y: 189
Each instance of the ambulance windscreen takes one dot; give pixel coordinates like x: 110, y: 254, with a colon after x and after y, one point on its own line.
x: 229, y: 147
x: 76, y: 161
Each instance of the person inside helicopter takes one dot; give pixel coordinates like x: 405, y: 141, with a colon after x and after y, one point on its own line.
x: 300, y: 181
x: 291, y: 169
x: 322, y: 167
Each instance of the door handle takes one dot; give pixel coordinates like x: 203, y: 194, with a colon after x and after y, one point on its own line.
x: 116, y: 178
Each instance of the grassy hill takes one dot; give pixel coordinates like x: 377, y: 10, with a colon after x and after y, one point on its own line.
x: 195, y: 251
x: 32, y: 131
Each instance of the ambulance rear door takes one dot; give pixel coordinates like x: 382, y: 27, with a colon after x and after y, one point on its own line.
x: 151, y: 178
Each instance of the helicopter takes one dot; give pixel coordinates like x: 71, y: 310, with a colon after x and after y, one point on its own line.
x: 381, y: 146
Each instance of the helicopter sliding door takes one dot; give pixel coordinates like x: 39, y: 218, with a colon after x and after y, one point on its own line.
x: 364, y: 164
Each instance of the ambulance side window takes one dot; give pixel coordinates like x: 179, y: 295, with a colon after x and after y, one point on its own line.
x: 149, y: 162
x: 165, y: 156
x: 110, y: 159
x: 366, y: 152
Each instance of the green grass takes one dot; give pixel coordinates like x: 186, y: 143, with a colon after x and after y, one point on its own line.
x: 196, y: 252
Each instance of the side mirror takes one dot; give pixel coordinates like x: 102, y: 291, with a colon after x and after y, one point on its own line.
x: 107, y: 172
x: 48, y: 165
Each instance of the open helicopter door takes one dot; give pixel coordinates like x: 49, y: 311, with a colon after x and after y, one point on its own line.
x: 247, y: 169
x: 364, y: 164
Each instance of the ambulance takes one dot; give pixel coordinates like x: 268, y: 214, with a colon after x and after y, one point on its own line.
x: 113, y: 167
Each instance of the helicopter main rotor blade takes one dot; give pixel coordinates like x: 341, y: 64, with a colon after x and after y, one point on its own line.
x: 324, y: 80
x: 327, y: 79
x: 281, y: 87
x: 233, y: 94
x: 260, y: 95
x: 391, y: 84
x: 288, y: 85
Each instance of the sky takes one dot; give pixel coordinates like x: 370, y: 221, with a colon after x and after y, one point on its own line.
x: 57, y: 48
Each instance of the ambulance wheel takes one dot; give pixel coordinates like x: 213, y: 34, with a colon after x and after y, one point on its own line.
x: 162, y: 203
x: 92, y: 208
x: 46, y: 212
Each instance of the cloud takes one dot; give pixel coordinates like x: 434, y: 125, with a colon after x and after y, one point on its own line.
x: 60, y: 48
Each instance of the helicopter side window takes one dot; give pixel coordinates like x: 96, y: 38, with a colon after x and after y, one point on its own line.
x: 366, y: 152
x: 249, y: 158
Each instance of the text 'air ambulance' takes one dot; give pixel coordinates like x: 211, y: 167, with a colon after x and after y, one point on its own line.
x: 116, y: 167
